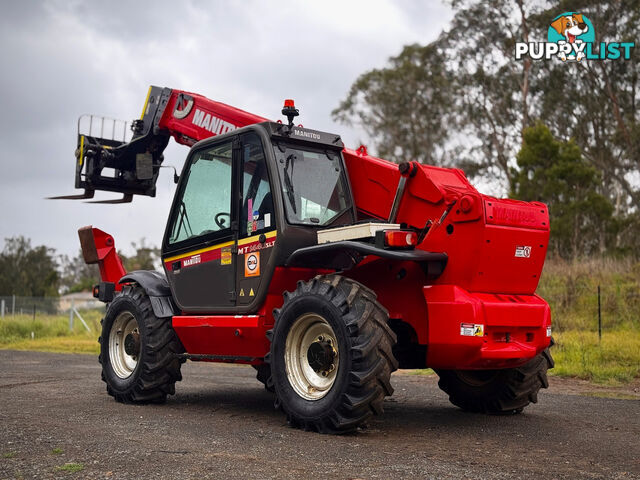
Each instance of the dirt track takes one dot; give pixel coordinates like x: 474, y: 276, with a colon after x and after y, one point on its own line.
x: 221, y: 424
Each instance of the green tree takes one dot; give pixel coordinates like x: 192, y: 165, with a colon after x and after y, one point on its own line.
x: 556, y: 173
x: 403, y: 107
x: 597, y: 102
x: 493, y: 91
x: 145, y: 258
x: 469, y: 81
x: 26, y: 270
x: 76, y: 275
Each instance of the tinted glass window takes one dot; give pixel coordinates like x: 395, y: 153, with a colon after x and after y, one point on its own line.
x: 205, y: 202
x: 256, y: 215
x: 314, y: 188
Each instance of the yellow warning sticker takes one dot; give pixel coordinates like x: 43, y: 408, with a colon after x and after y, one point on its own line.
x: 225, y: 256
x: 251, y: 294
x: 242, y: 292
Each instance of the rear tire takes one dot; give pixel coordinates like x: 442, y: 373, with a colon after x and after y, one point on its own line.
x: 506, y: 391
x: 138, y: 350
x: 330, y: 357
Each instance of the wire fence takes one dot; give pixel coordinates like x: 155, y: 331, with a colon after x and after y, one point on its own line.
x: 75, y: 307
x: 593, y: 307
x: 574, y: 306
x: 39, y: 306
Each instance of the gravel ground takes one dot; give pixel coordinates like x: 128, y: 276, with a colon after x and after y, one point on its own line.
x: 221, y: 424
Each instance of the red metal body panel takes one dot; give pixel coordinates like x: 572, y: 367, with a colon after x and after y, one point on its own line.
x: 524, y: 318
x: 206, y: 118
x: 240, y: 336
x: 399, y: 288
x: 234, y: 335
x: 99, y: 247
x: 496, y: 250
x: 480, y: 235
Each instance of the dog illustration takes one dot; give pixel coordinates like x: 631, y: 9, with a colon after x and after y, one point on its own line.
x: 570, y: 27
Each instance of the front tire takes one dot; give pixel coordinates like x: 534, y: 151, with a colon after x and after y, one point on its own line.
x: 263, y: 375
x: 330, y: 357
x: 506, y: 391
x: 138, y: 350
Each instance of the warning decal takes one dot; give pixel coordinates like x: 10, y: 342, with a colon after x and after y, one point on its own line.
x: 523, y: 251
x: 225, y: 256
x: 252, y: 264
x: 471, y: 330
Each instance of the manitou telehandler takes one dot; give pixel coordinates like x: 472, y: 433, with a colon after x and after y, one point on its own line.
x: 324, y: 268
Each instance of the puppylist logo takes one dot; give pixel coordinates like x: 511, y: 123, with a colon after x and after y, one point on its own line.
x: 572, y: 38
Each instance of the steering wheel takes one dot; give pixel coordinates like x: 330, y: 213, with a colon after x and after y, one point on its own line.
x: 220, y: 221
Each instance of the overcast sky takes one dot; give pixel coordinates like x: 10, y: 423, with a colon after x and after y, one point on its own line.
x: 61, y: 59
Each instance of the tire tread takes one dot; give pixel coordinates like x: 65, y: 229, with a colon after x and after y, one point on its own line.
x: 160, y: 369
x: 371, y: 341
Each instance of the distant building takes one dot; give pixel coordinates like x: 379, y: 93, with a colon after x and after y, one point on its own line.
x: 81, y: 300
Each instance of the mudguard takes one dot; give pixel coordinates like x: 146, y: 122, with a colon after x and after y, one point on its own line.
x: 157, y: 288
x: 344, y: 255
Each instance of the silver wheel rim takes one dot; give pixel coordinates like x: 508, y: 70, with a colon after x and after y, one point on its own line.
x: 310, y: 335
x: 123, y: 363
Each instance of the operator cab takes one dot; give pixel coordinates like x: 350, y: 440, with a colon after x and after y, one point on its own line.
x: 245, y: 201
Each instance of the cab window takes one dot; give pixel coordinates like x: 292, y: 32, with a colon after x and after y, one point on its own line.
x: 204, y: 206
x: 257, y: 213
x: 314, y: 185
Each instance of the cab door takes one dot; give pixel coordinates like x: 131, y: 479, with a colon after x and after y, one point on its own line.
x: 201, y: 237
x: 257, y: 221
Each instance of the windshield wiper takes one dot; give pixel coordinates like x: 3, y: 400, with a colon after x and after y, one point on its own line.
x: 288, y: 183
x: 184, y: 220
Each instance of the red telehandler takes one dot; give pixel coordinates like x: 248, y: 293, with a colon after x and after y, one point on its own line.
x: 324, y: 268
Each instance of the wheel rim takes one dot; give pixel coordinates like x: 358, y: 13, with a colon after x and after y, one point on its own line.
x: 311, y: 356
x: 124, y: 344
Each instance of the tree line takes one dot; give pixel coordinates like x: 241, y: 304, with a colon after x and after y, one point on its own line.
x: 565, y: 133
x: 38, y: 271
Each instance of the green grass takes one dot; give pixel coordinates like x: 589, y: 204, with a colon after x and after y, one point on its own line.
x: 9, y: 455
x: 572, y: 292
x: 70, y: 344
x: 614, y: 395
x: 613, y: 361
x: 50, y: 333
x: 57, y: 451
x: 71, y: 467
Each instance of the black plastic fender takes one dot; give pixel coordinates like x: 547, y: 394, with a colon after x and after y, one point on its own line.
x: 157, y: 289
x: 346, y: 254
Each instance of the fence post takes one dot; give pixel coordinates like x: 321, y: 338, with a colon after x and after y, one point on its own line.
x: 2, y: 308
x: 71, y: 316
x: 81, y: 319
x: 13, y: 305
x: 599, y: 317
x: 34, y: 311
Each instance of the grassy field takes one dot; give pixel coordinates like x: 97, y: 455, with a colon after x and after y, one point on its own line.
x: 614, y: 360
x: 50, y: 333
x: 570, y: 289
